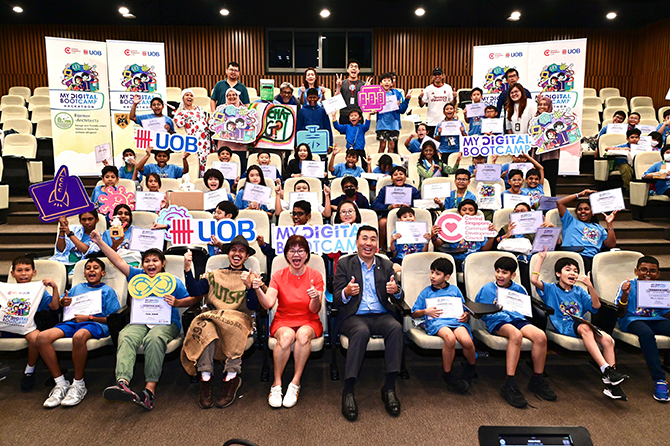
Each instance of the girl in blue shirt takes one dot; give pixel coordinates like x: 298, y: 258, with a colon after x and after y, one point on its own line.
x: 125, y: 215
x: 254, y: 176
x: 449, y: 143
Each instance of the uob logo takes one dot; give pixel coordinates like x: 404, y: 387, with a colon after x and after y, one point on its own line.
x: 519, y: 54
x: 93, y: 52
x: 573, y: 51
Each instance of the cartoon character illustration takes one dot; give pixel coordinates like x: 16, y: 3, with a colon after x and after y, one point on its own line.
x: 494, y: 81
x: 80, y: 77
x: 557, y: 77
x: 18, y: 307
x: 139, y: 78
x: 570, y: 308
x: 590, y: 235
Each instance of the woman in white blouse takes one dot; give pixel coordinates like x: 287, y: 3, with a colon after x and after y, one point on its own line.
x: 519, y: 110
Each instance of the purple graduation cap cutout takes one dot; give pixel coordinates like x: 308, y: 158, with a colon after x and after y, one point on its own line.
x: 62, y: 196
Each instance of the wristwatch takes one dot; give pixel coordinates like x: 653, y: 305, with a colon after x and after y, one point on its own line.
x: 70, y: 234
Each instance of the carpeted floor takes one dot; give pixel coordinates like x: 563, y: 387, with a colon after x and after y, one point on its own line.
x: 431, y: 414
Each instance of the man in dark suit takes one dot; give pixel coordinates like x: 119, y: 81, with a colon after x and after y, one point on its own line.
x: 365, y: 293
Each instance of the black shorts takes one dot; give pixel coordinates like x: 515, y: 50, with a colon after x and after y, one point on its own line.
x: 387, y: 135
x: 517, y: 323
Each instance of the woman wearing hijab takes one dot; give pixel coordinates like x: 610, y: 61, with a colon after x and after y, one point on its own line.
x: 194, y: 119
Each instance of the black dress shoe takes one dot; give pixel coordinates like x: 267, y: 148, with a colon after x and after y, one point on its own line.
x: 349, y: 407
x: 391, y: 402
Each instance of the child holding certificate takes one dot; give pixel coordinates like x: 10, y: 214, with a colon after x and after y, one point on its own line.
x: 264, y: 159
x: 355, y: 131
x: 659, y: 172
x: 620, y: 164
x: 213, y: 179
x: 535, y: 183
x: 154, y: 338
x: 569, y: 300
x: 254, y: 176
x: 225, y: 155
x: 514, y: 326
x: 300, y: 154
x: 302, y: 186
x: 448, y: 327
x: 162, y: 168
x: 81, y: 328
x: 475, y: 122
x: 448, y: 137
x: 646, y: 323
x: 429, y: 165
x: 400, y: 250
x: 462, y: 181
x: 388, y: 122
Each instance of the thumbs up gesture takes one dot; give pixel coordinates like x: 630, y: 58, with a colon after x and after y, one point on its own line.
x: 352, y: 288
x: 391, y: 286
x: 312, y: 292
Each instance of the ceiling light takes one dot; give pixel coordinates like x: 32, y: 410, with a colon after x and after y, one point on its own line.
x: 224, y: 11
x: 129, y: 16
x: 324, y: 13
x: 123, y: 10
x: 514, y: 16
x: 17, y: 9
x: 611, y: 15
x: 420, y: 12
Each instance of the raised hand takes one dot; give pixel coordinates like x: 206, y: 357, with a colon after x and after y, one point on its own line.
x: 368, y: 80
x: 585, y: 279
x: 188, y: 260
x: 352, y: 288
x: 610, y: 218
x: 95, y: 237
x: 338, y: 81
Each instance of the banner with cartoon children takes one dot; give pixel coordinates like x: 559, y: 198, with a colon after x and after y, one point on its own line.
x: 79, y: 97
x: 234, y: 124
x: 135, y: 68
x: 491, y: 62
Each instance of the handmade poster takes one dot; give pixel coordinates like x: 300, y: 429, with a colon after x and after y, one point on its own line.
x: 256, y: 193
x: 103, y: 152
x: 398, y: 195
x: 526, y: 222
x: 607, y: 201
x: 267, y: 91
x: 450, y: 128
x: 488, y: 196
x: 475, y: 110
x: 165, y: 217
x: 63, y: 196
x: 317, y: 139
x: 211, y: 199
x: 114, y: 196
x: 476, y: 228
x: 145, y: 138
x: 411, y: 232
x: 435, y: 190
x: 143, y: 239
x: 187, y: 231
x: 310, y: 197
x: 552, y: 131
x: 234, y: 124
x: 228, y: 169
x: 269, y: 171
x: 452, y: 227
x: 18, y: 304
x: 546, y: 238
x: 322, y: 239
x: 511, y: 200
x: 492, y: 125
x: 135, y: 68
x: 371, y: 98
x: 313, y: 169
x: 451, y: 306
x: 491, y: 62
x: 79, y: 101
x: 85, y: 304
x: 653, y: 294
x: 488, y: 172
x: 617, y: 129
x: 276, y: 125
x: 391, y: 104
x: 331, y: 105
x: 148, y: 201
x: 548, y: 203
x: 513, y: 301
x: 484, y: 145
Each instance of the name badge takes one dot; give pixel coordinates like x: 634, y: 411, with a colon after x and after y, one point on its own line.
x: 352, y: 100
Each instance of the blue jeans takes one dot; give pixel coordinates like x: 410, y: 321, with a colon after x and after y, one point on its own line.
x: 646, y: 331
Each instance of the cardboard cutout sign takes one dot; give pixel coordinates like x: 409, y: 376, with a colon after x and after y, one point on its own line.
x: 164, y: 141
x: 114, y: 196
x: 371, y: 98
x: 317, y: 139
x: 187, y: 231
x: 142, y: 285
x: 61, y: 197
x: 551, y: 131
x: 165, y: 216
x: 234, y: 124
x: 277, y: 126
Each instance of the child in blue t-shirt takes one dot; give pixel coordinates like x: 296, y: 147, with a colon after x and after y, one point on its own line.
x: 157, y: 109
x: 349, y: 167
x: 388, y: 123
x: 400, y: 250
x: 515, y: 327
x: 456, y: 196
x: 646, y: 323
x: 162, y: 168
x: 155, y: 338
x: 449, y: 329
x: 535, y: 183
x: 254, y: 176
x: 81, y: 328
x: 415, y: 140
x: 475, y: 122
x: 569, y: 300
x: 449, y: 143
x: 354, y: 132
x: 110, y: 177
x: 620, y: 164
x: 128, y: 169
x: 659, y: 171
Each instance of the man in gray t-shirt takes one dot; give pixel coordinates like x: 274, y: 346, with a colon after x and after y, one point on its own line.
x: 349, y: 89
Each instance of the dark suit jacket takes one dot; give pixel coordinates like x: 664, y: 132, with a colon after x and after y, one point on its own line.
x: 350, y: 265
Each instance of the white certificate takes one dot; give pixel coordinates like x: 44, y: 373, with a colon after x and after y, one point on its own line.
x: 428, y: 138
x: 488, y: 172
x: 475, y: 110
x: 229, y: 170
x: 546, y: 238
x: 155, y: 124
x: 148, y: 201
x: 87, y: 304
x: 513, y: 301
x: 313, y: 169
x: 256, y: 192
x: 619, y: 129
x: 411, y: 232
x: 526, y: 222
x: 451, y: 306
x: 644, y: 143
x: 391, y: 104
x: 492, y: 125
x: 150, y: 311
x: 607, y: 201
x: 435, y: 190
x: 373, y: 176
x: 311, y: 197
x: 269, y: 171
x: 652, y: 294
x: 331, y: 105
x: 103, y: 152
x: 450, y: 128
x: 211, y: 199
x: 144, y: 239
x: 646, y: 129
x: 426, y: 204
x: 511, y: 200
x: 523, y: 167
x: 398, y: 195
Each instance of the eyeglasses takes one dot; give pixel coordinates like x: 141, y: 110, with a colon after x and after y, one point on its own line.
x: 349, y: 188
x: 350, y: 212
x: 461, y: 179
x: 300, y: 252
x: 298, y: 214
x: 644, y: 270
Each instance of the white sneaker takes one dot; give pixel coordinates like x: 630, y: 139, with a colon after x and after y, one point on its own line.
x: 57, y: 395
x: 291, y: 397
x: 274, y: 400
x: 75, y: 395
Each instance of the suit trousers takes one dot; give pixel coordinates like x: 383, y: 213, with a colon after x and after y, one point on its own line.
x: 359, y: 328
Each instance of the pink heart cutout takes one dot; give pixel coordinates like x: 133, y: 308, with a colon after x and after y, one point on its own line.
x: 450, y: 227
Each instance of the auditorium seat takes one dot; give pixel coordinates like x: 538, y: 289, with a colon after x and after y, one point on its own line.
x: 39, y: 112
x: 591, y: 113
x: 397, y: 159
x: 368, y: 217
x: 144, y: 219
x: 252, y: 91
x: 327, y: 93
x: 13, y: 112
x: 202, y: 101
x: 275, y: 160
x: 660, y: 113
x: 339, y: 139
x: 314, y: 186
x: 639, y: 191
x: 422, y: 215
x: 11, y: 99
x: 589, y: 127
x: 198, y: 92
x: 174, y: 95
x: 619, y: 103
x: 4, y: 197
x: 19, y: 124
x: 646, y: 113
x: 501, y: 217
x: 36, y: 101
x: 438, y: 180
x: 608, y: 93
x: 41, y: 91
x: 554, y: 217
x: 601, y: 166
x: 641, y: 101
x: 285, y: 218
x: 593, y: 102
x: 649, y: 121
x: 101, y: 227
x: 24, y: 92
x: 609, y: 112
x: 590, y: 92
x: 336, y: 188
x: 43, y: 129
x: 128, y: 185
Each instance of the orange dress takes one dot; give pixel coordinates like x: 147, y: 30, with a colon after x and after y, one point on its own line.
x: 293, y: 300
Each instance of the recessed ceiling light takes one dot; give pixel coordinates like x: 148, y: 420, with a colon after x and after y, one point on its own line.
x: 123, y: 10
x: 17, y: 9
x: 129, y: 16
x: 420, y: 12
x: 224, y: 11
x: 324, y: 13
x: 611, y: 15
x: 516, y: 15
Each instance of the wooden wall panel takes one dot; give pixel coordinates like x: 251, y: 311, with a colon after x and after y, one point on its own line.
x: 650, y: 64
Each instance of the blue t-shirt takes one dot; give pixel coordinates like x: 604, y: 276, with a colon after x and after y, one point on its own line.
x: 448, y: 144
x: 128, y: 175
x: 107, y: 238
x: 475, y: 125
x: 661, y: 185
x: 666, y: 132
x: 575, y: 302
x: 434, y: 325
x: 243, y: 204
x: 469, y: 248
x: 404, y: 249
x: 179, y: 293
x: 414, y: 146
x: 341, y: 170
x: 110, y: 301
x: 169, y: 171
x: 452, y: 201
x: 577, y: 233
x: 489, y: 295
x: 46, y: 300
x: 635, y: 313
x: 355, y: 135
x: 140, y: 118
x: 64, y: 256
x: 97, y: 191
x: 391, y: 120
x: 534, y: 193
x: 380, y: 200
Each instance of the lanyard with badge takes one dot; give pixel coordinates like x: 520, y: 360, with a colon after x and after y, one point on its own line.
x: 352, y: 89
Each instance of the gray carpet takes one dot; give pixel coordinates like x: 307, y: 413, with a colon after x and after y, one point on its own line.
x: 431, y: 414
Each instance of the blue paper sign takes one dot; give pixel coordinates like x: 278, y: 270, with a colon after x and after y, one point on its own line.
x: 317, y: 139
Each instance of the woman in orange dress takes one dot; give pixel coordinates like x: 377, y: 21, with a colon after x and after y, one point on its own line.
x: 298, y: 292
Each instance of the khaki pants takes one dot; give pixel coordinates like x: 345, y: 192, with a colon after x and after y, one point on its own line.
x: 154, y: 341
